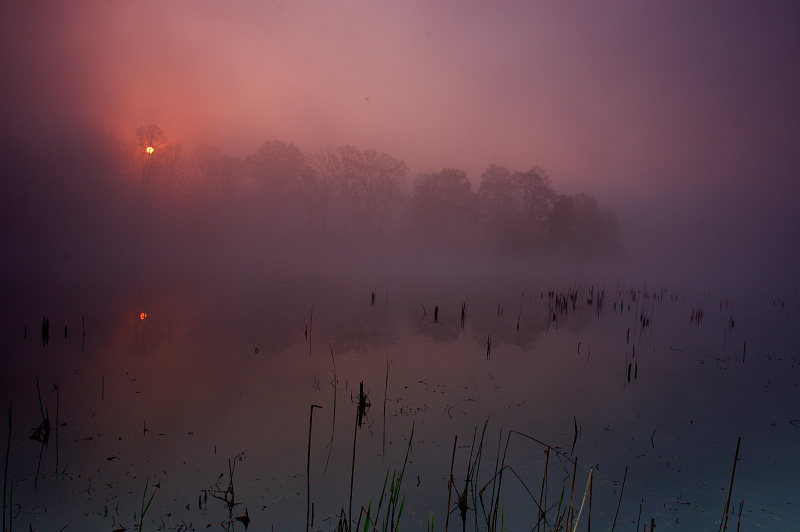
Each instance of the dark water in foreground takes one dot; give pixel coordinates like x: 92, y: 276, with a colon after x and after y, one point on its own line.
x: 219, y: 372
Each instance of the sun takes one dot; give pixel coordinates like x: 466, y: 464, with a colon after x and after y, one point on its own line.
x: 149, y: 150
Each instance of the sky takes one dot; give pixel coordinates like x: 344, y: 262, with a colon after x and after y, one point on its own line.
x: 680, y: 115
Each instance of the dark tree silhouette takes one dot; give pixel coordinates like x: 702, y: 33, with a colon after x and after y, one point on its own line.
x: 498, y: 205
x: 277, y: 169
x: 578, y: 224
x: 215, y: 176
x: 443, y: 206
x: 535, y: 200
x: 358, y: 190
x: 344, y: 194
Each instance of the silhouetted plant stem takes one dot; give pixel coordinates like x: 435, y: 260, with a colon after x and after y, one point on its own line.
x: 5, y: 474
x: 58, y: 400
x: 145, y: 506
x: 308, y: 468
x: 620, y: 499
x: 639, y: 518
x: 589, y: 515
x: 739, y: 521
x: 41, y: 433
x: 385, y: 390
x: 571, y: 510
x: 724, y: 523
x: 352, y: 471
x: 542, y: 493
x: 450, y: 485
x: 494, y: 479
x: 335, y: 390
x: 394, y: 511
x: 580, y: 510
x: 362, y: 403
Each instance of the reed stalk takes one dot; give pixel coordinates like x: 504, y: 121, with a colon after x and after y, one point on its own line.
x: 614, y: 524
x: 449, y: 484
x: 580, y: 510
x: 5, y: 474
x: 571, y: 510
x: 58, y: 400
x: 335, y: 392
x: 353, y: 471
x: 308, y: 468
x: 542, y: 493
x: 495, y: 483
x: 724, y: 522
x: 639, y: 518
x: 385, y: 391
x: 589, y: 515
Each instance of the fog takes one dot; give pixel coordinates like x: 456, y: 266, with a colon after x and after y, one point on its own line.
x: 572, y: 220
x: 675, y: 121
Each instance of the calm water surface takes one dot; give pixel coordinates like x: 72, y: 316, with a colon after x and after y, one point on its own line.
x: 220, y: 372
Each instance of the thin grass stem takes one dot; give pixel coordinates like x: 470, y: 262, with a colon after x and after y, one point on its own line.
x: 724, y: 522
x: 5, y: 473
x: 583, y: 501
x: 625, y: 476
x: 449, y: 484
x: 308, y: 468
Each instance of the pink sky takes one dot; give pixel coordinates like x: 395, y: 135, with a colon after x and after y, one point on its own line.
x: 646, y: 105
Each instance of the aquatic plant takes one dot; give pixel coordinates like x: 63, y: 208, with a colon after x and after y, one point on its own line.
x: 146, y: 506
x: 389, y: 521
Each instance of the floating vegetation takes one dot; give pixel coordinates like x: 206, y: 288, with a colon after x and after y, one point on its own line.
x: 228, y: 496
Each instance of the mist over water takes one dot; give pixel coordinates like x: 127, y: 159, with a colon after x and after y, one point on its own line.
x: 576, y: 221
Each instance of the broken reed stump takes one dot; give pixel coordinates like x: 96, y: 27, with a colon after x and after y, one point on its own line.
x: 363, y: 404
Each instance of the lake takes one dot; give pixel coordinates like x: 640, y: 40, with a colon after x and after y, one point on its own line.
x: 178, y: 381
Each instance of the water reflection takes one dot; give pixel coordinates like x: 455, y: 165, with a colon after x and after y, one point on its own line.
x: 623, y: 379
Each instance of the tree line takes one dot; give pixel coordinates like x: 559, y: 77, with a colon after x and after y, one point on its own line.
x: 350, y: 195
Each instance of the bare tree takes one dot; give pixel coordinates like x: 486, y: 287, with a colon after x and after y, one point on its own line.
x: 376, y: 187
x: 173, y: 168
x: 499, y: 205
x: 443, y: 204
x: 326, y: 166
x: 156, y: 162
x: 216, y: 176
x: 535, y: 200
x: 579, y: 224
x: 147, y: 148
x: 277, y: 168
x: 359, y: 189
